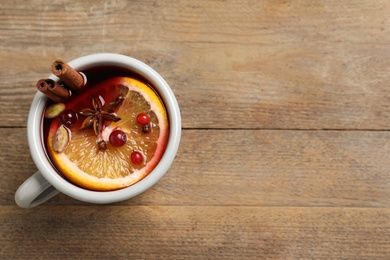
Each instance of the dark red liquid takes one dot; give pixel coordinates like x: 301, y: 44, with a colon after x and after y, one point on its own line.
x: 99, y: 74
x: 94, y: 76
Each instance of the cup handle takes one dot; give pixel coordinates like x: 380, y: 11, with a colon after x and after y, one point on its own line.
x: 34, y: 191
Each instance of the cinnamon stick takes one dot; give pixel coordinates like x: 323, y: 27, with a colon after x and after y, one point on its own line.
x: 67, y: 74
x: 43, y: 86
x: 57, y: 89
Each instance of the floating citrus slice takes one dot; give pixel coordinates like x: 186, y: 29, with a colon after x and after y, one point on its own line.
x: 115, y: 135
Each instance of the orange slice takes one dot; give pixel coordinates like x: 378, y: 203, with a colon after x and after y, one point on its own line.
x: 85, y: 165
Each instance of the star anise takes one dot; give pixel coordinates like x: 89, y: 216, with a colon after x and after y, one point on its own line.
x: 96, y: 117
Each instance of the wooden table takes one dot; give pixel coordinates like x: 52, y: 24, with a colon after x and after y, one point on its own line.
x: 285, y: 150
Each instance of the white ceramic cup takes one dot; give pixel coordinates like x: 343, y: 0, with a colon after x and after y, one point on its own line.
x: 46, y: 182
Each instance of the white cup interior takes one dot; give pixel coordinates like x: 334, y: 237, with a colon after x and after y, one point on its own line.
x: 42, y: 161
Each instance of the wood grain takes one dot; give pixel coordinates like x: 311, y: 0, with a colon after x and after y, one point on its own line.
x: 285, y: 148
x: 253, y: 168
x: 195, y: 232
x: 245, y: 64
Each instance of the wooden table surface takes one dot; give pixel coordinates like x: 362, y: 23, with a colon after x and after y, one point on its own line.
x: 285, y: 150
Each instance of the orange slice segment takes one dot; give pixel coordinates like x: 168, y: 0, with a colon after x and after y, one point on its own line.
x: 85, y: 165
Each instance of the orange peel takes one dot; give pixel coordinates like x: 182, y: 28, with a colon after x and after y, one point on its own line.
x: 84, y: 165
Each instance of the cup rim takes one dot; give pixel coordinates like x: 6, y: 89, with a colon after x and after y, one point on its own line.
x: 44, y: 165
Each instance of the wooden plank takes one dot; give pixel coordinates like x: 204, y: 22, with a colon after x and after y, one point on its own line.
x: 285, y: 150
x: 251, y: 64
x: 195, y: 232
x: 249, y: 167
x: 245, y: 22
